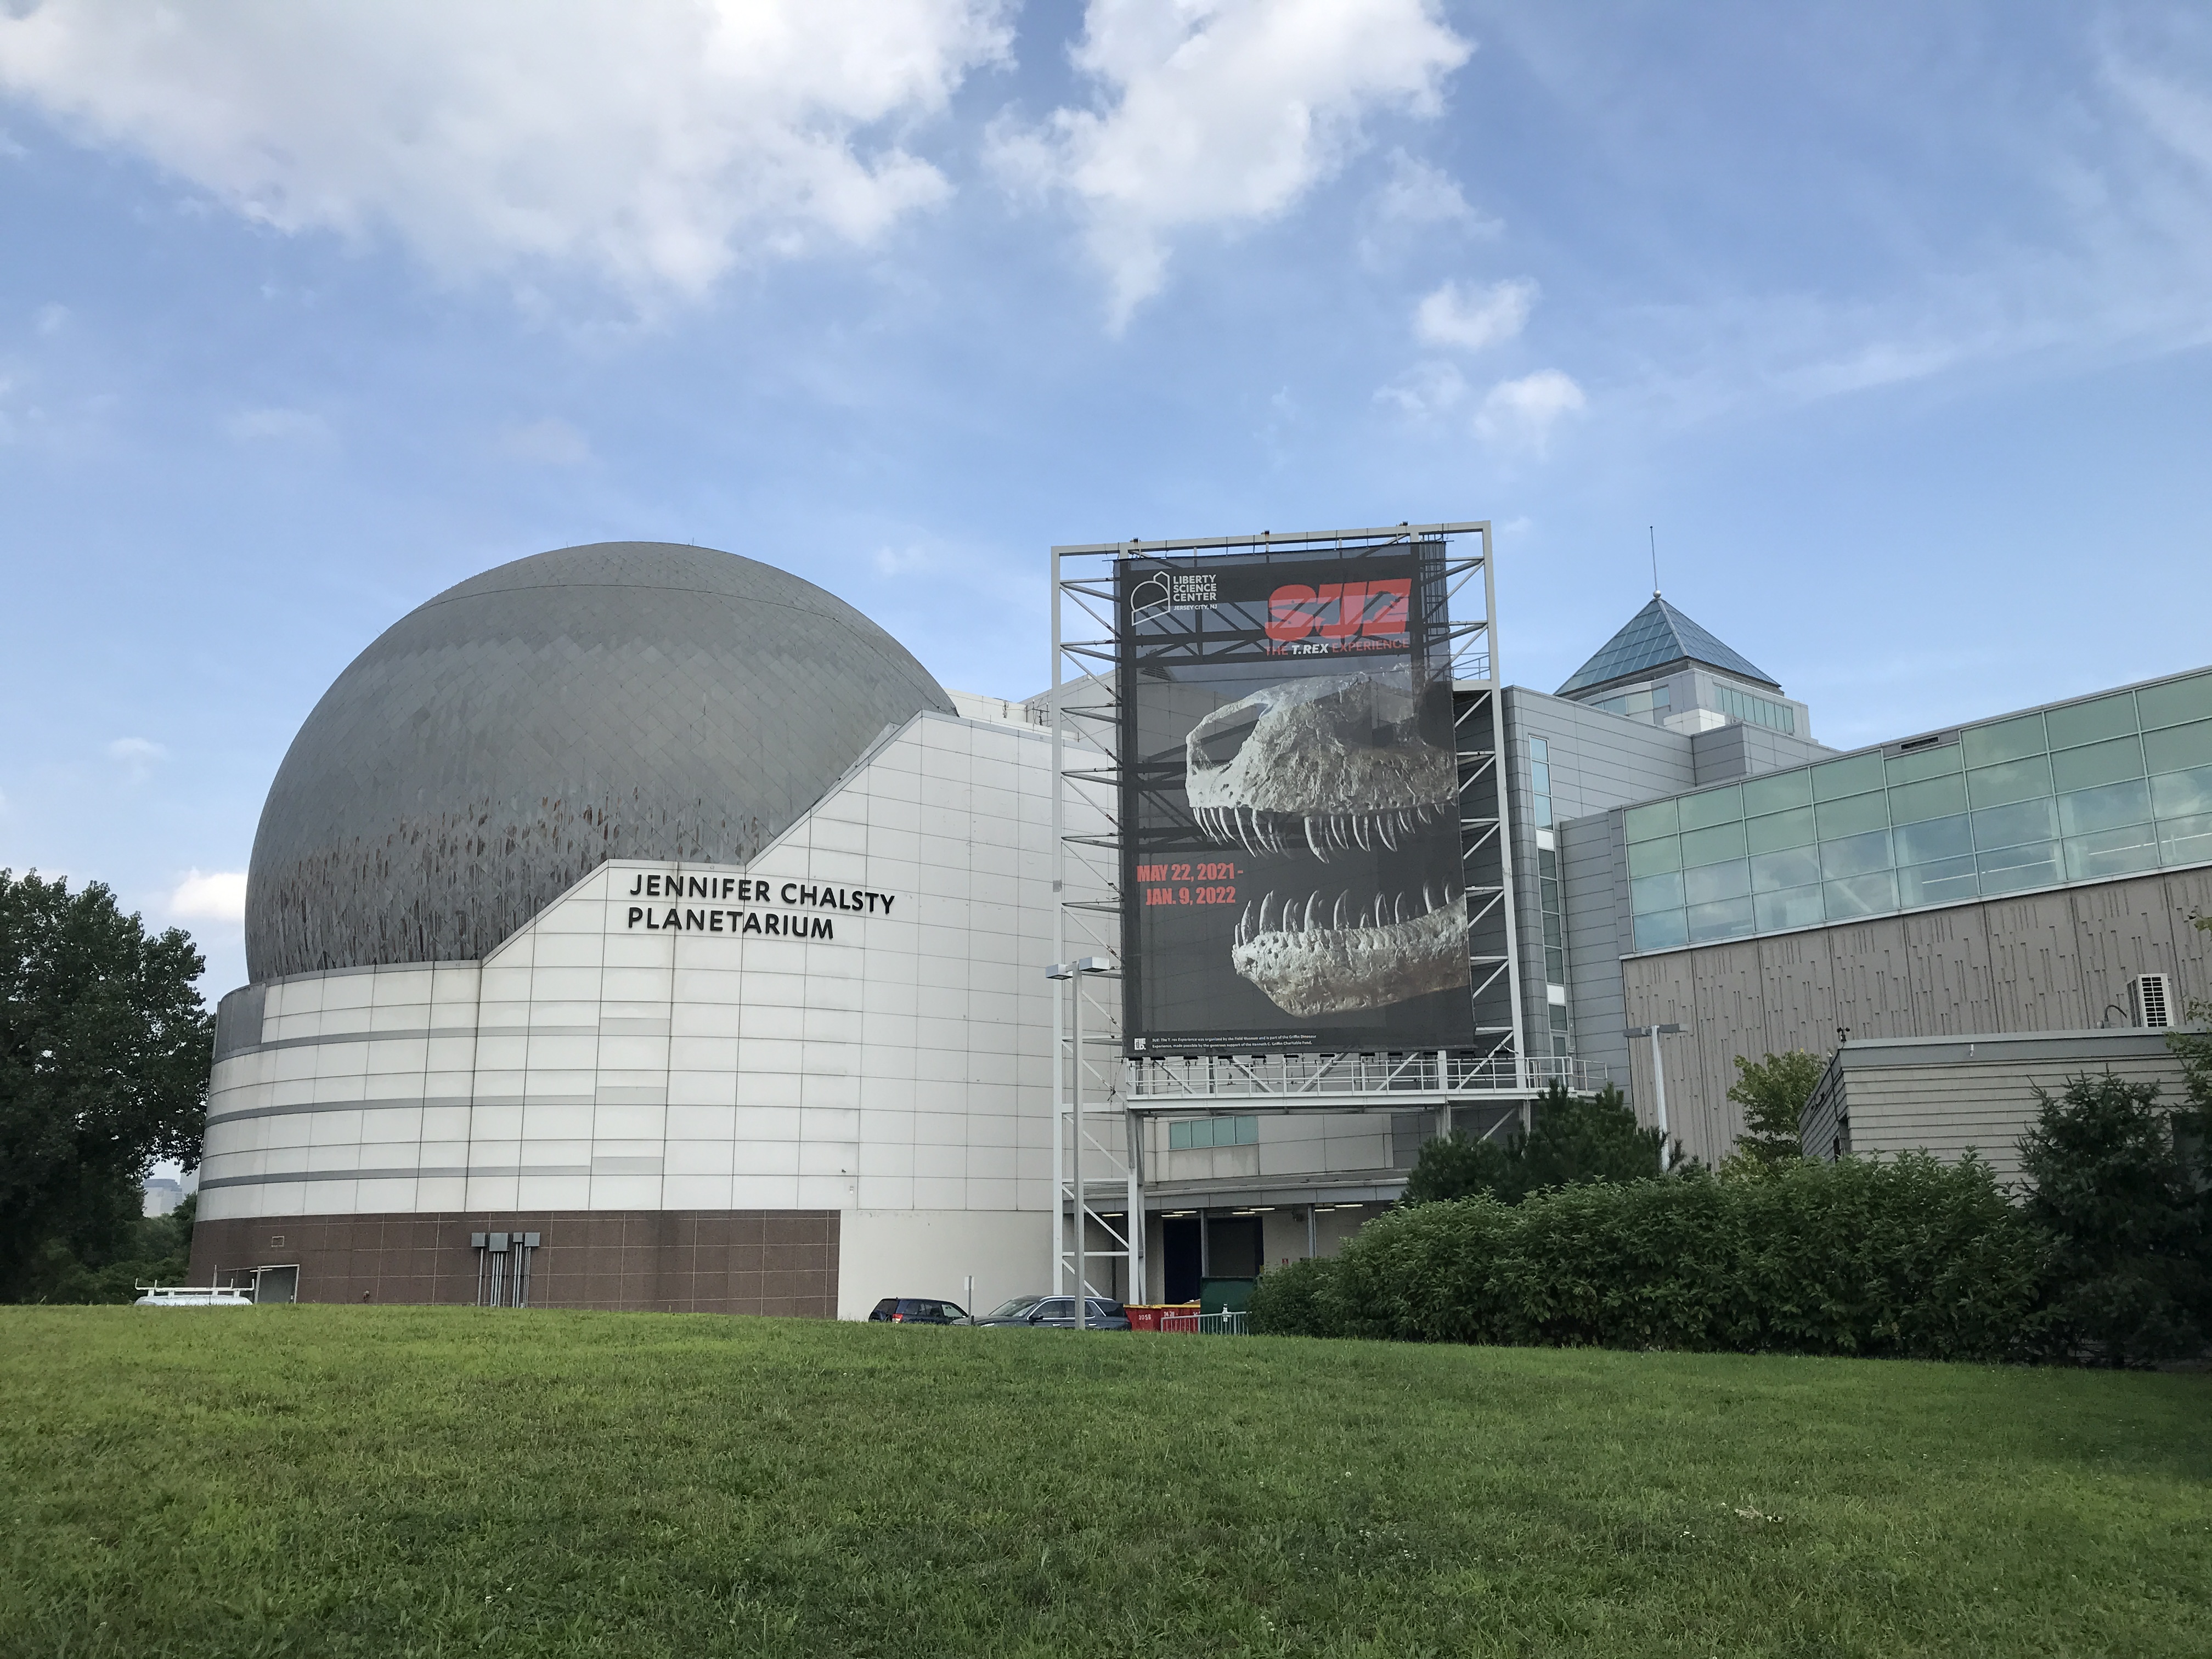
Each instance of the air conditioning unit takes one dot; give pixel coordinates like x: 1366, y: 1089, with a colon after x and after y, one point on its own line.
x: 2148, y: 1000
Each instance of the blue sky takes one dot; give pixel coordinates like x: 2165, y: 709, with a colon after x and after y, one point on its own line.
x: 1891, y: 317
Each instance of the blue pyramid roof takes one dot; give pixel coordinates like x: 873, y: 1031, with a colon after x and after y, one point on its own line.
x: 1653, y: 638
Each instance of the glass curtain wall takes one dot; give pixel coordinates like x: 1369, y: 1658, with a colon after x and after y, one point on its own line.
x: 2112, y: 786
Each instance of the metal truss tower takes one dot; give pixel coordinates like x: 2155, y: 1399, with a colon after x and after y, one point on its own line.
x: 1100, y: 1099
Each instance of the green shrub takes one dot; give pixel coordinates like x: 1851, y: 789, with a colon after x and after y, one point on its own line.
x: 1574, y: 1138
x: 1288, y: 1301
x: 1910, y: 1258
x: 2128, y: 1236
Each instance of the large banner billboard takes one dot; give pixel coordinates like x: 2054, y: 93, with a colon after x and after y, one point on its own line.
x: 1291, y: 834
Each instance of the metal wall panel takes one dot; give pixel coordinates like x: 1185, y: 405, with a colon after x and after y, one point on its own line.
x: 2122, y: 930
x: 2044, y: 963
x: 1948, y: 959
x: 2035, y: 969
x: 1874, y: 992
x: 1799, y: 976
x: 1731, y: 997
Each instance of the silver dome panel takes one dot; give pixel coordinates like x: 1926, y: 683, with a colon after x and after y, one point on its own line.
x: 627, y: 699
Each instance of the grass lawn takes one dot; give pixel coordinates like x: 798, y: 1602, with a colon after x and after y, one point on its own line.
x: 391, y: 1481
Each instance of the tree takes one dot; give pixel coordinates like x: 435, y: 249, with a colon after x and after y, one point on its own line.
x: 1573, y: 1139
x: 2129, y: 1252
x: 1457, y: 1166
x: 1772, y: 1092
x: 1583, y: 1137
x: 2194, y: 1050
x: 105, y: 1047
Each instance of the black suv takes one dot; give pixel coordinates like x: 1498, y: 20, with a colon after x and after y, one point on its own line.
x: 1058, y: 1313
x: 918, y: 1311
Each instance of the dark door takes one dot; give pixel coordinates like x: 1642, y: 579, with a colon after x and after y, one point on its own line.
x: 276, y: 1285
x: 1180, y: 1265
x: 1233, y: 1247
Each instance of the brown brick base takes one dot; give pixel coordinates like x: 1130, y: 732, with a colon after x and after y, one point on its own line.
x: 737, y: 1262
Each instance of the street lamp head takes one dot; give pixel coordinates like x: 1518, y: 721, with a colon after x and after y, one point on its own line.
x: 1093, y: 965
x: 1060, y: 970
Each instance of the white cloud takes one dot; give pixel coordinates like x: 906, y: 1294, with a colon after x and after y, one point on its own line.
x: 548, y: 442
x: 50, y: 319
x: 1426, y: 390
x: 901, y: 560
x: 217, y: 897
x: 1520, y: 414
x: 1221, y: 113
x: 651, y: 145
x: 1420, y: 194
x: 250, y: 425
x: 135, y: 751
x: 1472, y: 318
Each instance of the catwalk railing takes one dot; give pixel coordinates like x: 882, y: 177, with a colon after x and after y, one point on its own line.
x: 1211, y: 1078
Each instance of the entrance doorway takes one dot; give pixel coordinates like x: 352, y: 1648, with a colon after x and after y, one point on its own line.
x: 276, y: 1283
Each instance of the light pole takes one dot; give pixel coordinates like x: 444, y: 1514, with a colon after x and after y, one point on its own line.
x: 1659, y: 1087
x: 1074, y: 971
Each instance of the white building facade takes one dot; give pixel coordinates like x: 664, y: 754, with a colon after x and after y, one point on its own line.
x: 836, y: 1056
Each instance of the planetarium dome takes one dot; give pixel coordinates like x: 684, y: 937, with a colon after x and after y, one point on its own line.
x: 627, y: 699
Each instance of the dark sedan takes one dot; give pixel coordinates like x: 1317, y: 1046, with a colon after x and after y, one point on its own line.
x: 918, y: 1311
x: 1058, y: 1313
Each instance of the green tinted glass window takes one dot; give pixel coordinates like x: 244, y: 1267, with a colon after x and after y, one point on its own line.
x: 1994, y: 786
x: 1794, y: 906
x: 1855, y: 854
x: 1935, y: 798
x: 2016, y: 869
x: 2108, y: 808
x: 2098, y: 762
x: 1660, y: 892
x: 2182, y: 794
x: 1650, y: 858
x: 1987, y: 745
x: 1777, y: 793
x: 2112, y: 852
x: 1722, y: 840
x: 1661, y: 931
x: 1937, y: 839
x: 2091, y: 722
x: 1795, y: 866
x: 1709, y: 882
x: 2015, y: 826
x: 1943, y: 882
x: 1854, y: 776
x: 1730, y: 918
x: 2175, y: 701
x: 2185, y: 841
x: 1650, y: 823
x: 1713, y: 807
x: 1780, y: 829
x: 1861, y: 896
x: 1924, y: 763
x: 1853, y: 815
x: 2179, y: 747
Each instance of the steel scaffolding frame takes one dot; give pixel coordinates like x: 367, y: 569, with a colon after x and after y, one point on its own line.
x: 1088, y: 1062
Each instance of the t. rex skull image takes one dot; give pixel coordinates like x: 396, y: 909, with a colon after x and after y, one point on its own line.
x: 1337, y: 762
x: 1317, y: 957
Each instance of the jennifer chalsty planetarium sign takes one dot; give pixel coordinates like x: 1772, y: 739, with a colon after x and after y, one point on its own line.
x: 735, y: 904
x: 1290, y: 803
